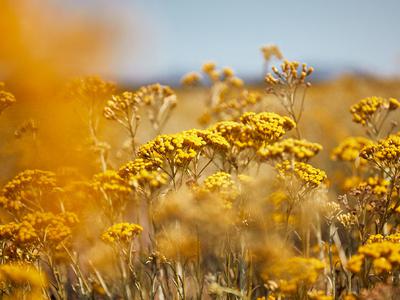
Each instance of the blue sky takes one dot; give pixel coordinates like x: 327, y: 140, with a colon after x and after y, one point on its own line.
x: 171, y: 37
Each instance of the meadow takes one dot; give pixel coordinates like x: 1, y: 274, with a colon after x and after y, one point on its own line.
x: 214, y: 189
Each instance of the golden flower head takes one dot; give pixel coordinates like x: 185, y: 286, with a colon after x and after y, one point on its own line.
x: 121, y: 233
x: 349, y: 149
x: 299, y: 150
x: 366, y: 108
x: 303, y: 171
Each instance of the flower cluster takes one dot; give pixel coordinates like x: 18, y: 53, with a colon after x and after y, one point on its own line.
x: 225, y: 75
x: 6, y: 98
x: 111, y: 183
x: 295, y: 272
x: 349, y: 149
x: 266, y: 127
x: 120, y: 106
x: 159, y: 100
x: 227, y: 97
x: 26, y: 190
x: 181, y: 148
x: 364, y: 111
x: 270, y: 51
x: 289, y: 74
x: 385, y: 257
x: 386, y: 153
x: 299, y: 150
x: 219, y: 184
x: 376, y: 185
x: 121, y: 233
x: 306, y: 173
x: 40, y: 229
x: 191, y: 78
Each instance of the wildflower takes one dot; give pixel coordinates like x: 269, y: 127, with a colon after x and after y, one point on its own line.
x: 349, y: 149
x: 26, y: 190
x: 159, y: 101
x: 299, y: 150
x: 366, y: 108
x: 270, y: 51
x: 121, y: 233
x: 267, y: 126
x: 220, y: 184
x: 305, y: 172
x: 347, y: 219
x: 191, y: 78
x: 384, y: 255
x: 294, y: 272
x: 385, y: 154
x: 40, y: 228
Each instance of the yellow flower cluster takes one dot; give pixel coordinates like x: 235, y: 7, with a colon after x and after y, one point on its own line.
x: 303, y: 171
x: 238, y: 104
x: 349, y: 149
x: 135, y: 166
x: 235, y: 133
x: 24, y: 189
x: 254, y: 130
x: 191, y: 78
x: 225, y: 75
x: 111, y: 183
x: 270, y: 51
x: 119, y: 106
x: 384, y: 254
x: 299, y: 150
x: 347, y: 219
x: 151, y: 94
x: 377, y: 185
x: 289, y: 74
x: 45, y: 227
x: 6, y: 98
x: 220, y: 184
x: 21, y: 281
x: 295, y: 272
x: 267, y: 126
x: 181, y: 148
x: 121, y: 232
x: 386, y: 153
x: 141, y: 173
x: 366, y: 108
x: 153, y: 179
x: 377, y: 238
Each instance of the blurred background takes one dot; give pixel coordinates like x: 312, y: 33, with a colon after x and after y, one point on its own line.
x: 144, y: 41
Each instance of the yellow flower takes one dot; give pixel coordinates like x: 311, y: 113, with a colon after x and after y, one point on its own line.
x: 300, y: 150
x: 25, y: 188
x: 303, y: 171
x: 121, y: 232
x: 349, y: 149
x: 386, y: 153
x: 366, y: 108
